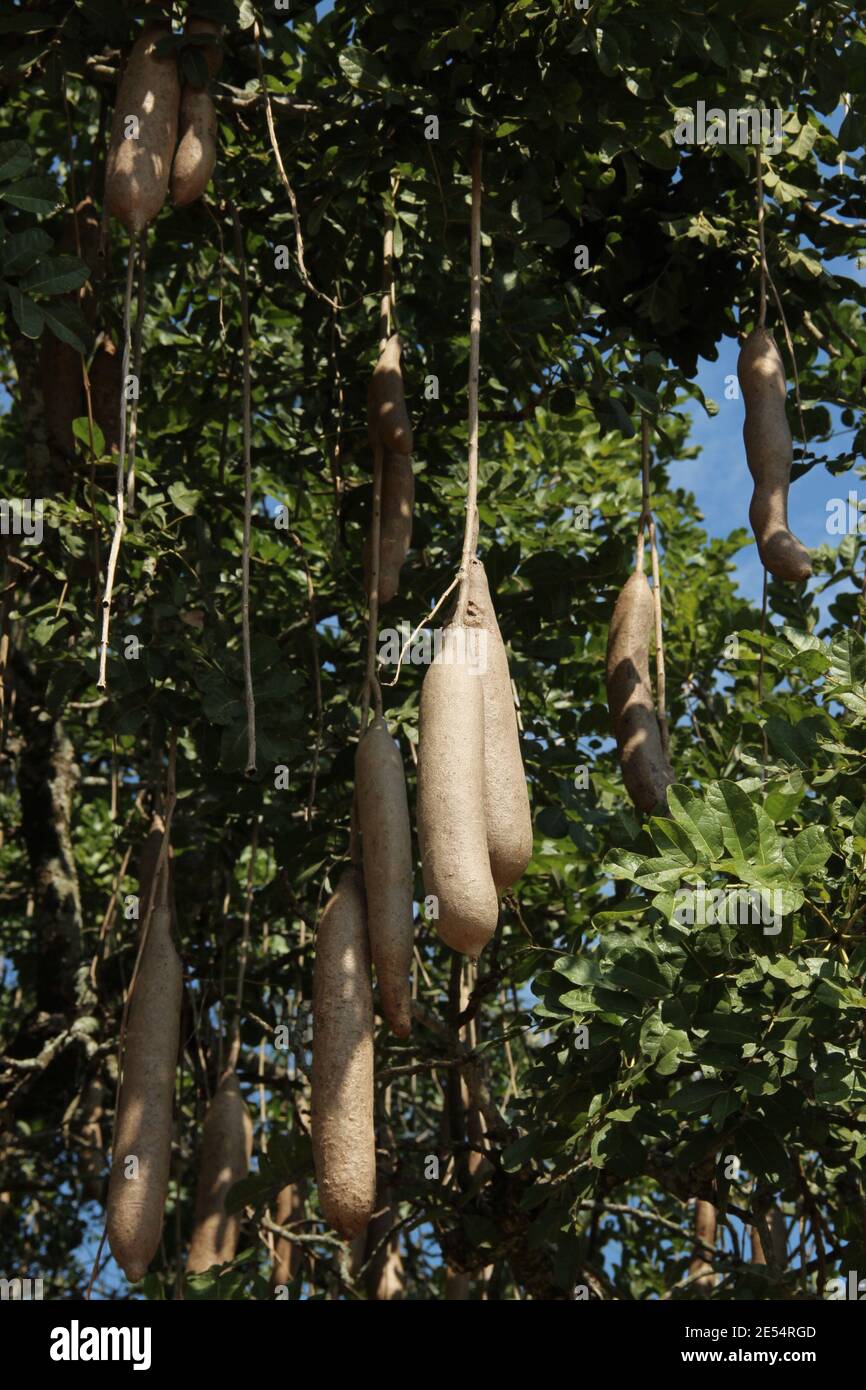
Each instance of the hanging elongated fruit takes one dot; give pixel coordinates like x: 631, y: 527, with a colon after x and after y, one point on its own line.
x: 645, y: 768
x: 196, y: 153
x: 388, y: 418
x: 395, y: 537
x: 226, y: 1147
x: 386, y: 840
x: 213, y: 53
x: 344, y: 1141
x: 141, y: 1155
x: 452, y: 826
x: 506, y: 798
x: 769, y: 453
x: 144, y: 132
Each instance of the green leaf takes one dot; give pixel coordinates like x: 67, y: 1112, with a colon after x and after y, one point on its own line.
x: 81, y: 431
x: 796, y: 745
x: 27, y: 315
x: 697, y: 1097
x: 56, y: 275
x: 361, y: 69
x: 21, y: 250
x: 783, y: 797
x: 552, y: 821
x: 762, y: 1151
x: 641, y: 974
x: 185, y: 498
x: 67, y: 323
x: 36, y: 195
x: 807, y: 854
x: 701, y: 824
x: 15, y: 159
x: 737, y: 819
x: 222, y: 703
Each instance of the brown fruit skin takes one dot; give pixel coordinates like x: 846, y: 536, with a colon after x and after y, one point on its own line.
x: 106, y: 377
x: 137, y: 171
x: 135, y: 1205
x: 769, y: 453
x: 386, y: 839
x: 452, y: 828
x: 213, y: 53
x: 395, y: 537
x: 226, y: 1147
x: 387, y: 416
x: 196, y: 154
x: 344, y: 1141
x: 506, y: 796
x: 645, y: 769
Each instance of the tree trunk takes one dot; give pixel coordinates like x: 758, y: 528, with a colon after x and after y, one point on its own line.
x: 701, y: 1272
x: 47, y: 774
x: 287, y: 1254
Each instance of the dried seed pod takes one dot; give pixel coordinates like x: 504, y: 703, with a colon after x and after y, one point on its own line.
x: 506, y: 798
x: 196, y: 154
x: 395, y: 536
x: 141, y: 1156
x: 386, y: 839
x: 144, y: 132
x: 645, y: 768
x: 452, y: 827
x: 344, y: 1140
x: 388, y: 418
x: 769, y: 453
x: 226, y: 1147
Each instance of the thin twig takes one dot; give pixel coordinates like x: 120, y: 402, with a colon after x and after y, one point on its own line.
x: 235, y: 1045
x: 470, y: 523
x: 765, y: 270
x: 281, y: 168
x: 249, y: 693
x: 371, y: 685
x: 317, y: 677
x: 136, y: 369
x: 761, y: 674
x: 102, y: 679
x: 428, y: 617
x: 767, y: 278
x: 857, y: 225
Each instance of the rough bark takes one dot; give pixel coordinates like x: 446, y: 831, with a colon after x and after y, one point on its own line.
x: 47, y: 775
x: 701, y: 1270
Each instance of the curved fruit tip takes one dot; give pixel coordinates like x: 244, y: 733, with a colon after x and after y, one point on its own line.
x: 787, y: 558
